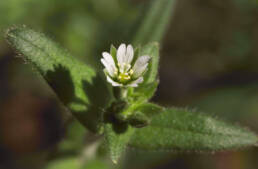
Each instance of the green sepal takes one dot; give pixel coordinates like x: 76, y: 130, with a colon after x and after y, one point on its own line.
x: 113, y: 52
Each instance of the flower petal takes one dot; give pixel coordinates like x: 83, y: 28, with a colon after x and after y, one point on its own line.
x: 121, y: 54
x: 140, y: 71
x: 140, y: 65
x: 108, y: 67
x: 109, y: 63
x: 109, y: 59
x: 113, y: 82
x: 136, y: 82
x: 129, y: 54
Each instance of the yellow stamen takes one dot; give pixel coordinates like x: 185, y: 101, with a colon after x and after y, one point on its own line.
x: 124, y: 76
x: 131, y: 71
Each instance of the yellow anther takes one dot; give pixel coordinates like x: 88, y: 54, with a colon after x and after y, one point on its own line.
x: 131, y: 71
x: 127, y: 77
x: 124, y: 76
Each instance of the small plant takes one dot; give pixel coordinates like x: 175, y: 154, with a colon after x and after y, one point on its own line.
x: 116, y: 103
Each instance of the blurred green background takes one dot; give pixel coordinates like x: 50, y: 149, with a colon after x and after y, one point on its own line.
x: 209, y: 62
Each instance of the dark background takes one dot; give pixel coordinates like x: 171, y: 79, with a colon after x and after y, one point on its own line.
x: 209, y: 62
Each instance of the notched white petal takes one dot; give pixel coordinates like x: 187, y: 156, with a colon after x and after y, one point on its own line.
x: 108, y: 67
x: 143, y: 60
x: 121, y: 53
x: 129, y: 54
x: 140, y: 65
x: 109, y: 63
x: 140, y: 70
x: 109, y: 58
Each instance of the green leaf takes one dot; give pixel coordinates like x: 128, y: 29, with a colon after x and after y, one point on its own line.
x: 77, y: 85
x: 149, y: 109
x: 139, y: 115
x: 113, y: 52
x: 117, y: 138
x: 183, y: 130
x: 155, y: 23
x: 147, y: 89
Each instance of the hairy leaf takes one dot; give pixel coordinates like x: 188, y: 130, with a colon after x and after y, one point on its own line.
x: 149, y: 109
x: 76, y: 84
x: 183, y: 130
x: 117, y: 138
x: 155, y: 22
x: 141, y: 114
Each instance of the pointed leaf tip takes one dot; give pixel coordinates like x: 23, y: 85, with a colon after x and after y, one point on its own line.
x: 117, y: 138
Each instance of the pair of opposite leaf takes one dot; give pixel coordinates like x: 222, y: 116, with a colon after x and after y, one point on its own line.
x: 171, y: 128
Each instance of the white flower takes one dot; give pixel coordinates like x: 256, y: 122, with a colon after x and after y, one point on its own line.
x: 122, y: 69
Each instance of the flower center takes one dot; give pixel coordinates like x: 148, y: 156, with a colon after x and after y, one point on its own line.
x: 125, y: 72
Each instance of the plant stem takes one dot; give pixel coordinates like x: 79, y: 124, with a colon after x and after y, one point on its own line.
x: 124, y: 92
